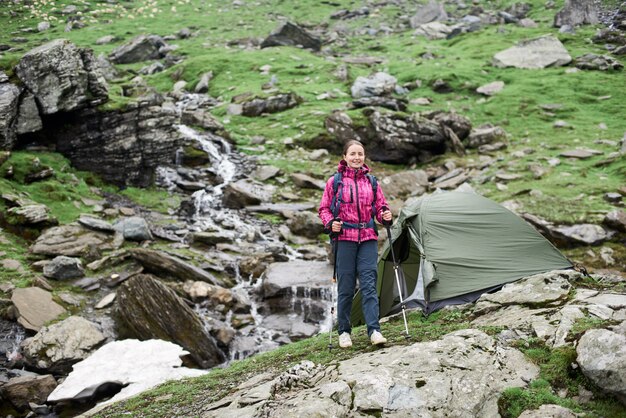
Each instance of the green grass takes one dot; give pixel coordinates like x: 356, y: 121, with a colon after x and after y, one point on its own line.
x: 558, y: 381
x: 571, y: 191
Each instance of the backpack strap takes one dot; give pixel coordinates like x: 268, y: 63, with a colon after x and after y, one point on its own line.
x: 337, y: 194
x: 374, y: 181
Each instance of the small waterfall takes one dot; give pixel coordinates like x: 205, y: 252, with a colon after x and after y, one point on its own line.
x: 211, y: 215
x: 12, y: 336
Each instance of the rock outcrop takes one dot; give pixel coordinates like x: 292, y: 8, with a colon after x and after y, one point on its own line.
x: 147, y: 309
x: 62, y: 77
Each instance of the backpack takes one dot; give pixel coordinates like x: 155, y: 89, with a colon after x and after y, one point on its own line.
x: 338, y: 196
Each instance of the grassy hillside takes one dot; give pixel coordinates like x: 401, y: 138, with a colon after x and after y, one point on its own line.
x: 590, y: 102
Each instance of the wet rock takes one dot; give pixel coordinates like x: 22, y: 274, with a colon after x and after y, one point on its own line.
x: 140, y: 48
x: 74, y: 240
x: 575, y: 13
x: 147, y: 309
x: 34, y: 307
x: 135, y: 366
x: 202, y: 119
x: 542, y: 52
x: 163, y: 264
x: 601, y: 355
x: 62, y: 268
x: 212, y: 237
x: 62, y: 77
x: 22, y: 390
x: 217, y: 295
x: 289, y: 34
x: 57, y: 347
x: 246, y: 192
x: 282, y: 278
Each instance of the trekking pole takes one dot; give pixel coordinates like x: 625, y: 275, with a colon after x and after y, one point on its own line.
x: 397, y: 274
x: 334, y: 235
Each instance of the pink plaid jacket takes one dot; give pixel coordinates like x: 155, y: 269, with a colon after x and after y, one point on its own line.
x: 356, y: 205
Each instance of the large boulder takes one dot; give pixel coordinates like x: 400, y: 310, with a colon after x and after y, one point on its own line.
x: 577, y: 12
x: 57, y: 347
x: 246, y: 192
x: 124, y: 147
x: 134, y: 228
x: 602, y: 358
x: 21, y: 391
x: 289, y: 34
x: 9, y: 99
x: 73, y: 240
x: 258, y: 106
x: 378, y: 84
x: 140, y: 48
x: 34, y: 307
x: 62, y: 77
x: 147, y: 309
x: 542, y: 52
x: 395, y: 138
x: 63, y: 267
x: 170, y: 267
x: 460, y: 375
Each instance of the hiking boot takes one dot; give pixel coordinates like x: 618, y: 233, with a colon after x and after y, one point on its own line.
x: 345, y: 341
x: 376, y: 338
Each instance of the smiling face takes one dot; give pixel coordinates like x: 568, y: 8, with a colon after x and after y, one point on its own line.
x: 355, y: 156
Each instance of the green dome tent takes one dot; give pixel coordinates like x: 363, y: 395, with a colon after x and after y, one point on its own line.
x: 453, y: 247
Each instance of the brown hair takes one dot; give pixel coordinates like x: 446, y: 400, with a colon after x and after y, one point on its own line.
x: 350, y: 143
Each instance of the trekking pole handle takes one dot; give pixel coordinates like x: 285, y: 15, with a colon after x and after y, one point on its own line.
x: 387, y: 224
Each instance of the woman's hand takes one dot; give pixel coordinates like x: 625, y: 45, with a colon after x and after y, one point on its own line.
x: 336, y: 226
x: 386, y: 215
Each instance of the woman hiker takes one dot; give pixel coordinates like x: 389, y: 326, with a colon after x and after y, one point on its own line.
x: 351, y: 201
